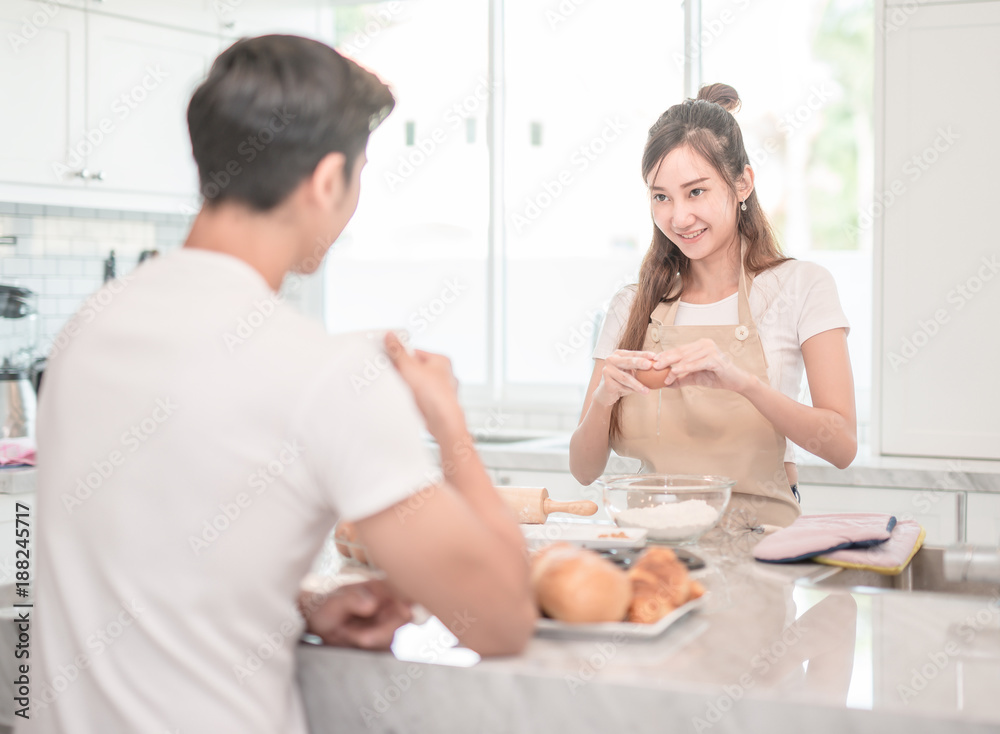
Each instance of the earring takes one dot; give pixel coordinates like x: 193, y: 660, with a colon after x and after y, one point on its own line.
x: 743, y: 205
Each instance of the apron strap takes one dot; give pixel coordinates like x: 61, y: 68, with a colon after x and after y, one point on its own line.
x: 663, y: 314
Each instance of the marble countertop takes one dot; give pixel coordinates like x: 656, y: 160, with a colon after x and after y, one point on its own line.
x: 551, y: 453
x: 767, y: 653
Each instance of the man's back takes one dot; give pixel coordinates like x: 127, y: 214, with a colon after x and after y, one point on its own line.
x: 196, y: 440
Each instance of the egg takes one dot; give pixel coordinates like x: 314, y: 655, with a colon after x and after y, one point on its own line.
x: 653, y: 379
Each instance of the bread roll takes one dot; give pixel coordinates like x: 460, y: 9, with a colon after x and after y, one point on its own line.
x: 660, y: 584
x: 576, y: 585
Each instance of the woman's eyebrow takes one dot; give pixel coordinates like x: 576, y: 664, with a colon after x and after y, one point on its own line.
x: 683, y: 186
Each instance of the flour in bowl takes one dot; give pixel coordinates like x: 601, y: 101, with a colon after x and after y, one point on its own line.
x: 671, y: 521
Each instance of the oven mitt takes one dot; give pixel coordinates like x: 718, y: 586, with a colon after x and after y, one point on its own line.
x: 888, y: 558
x: 814, y: 535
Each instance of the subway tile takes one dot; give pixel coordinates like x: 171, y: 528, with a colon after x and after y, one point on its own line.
x: 27, y: 246
x: 84, y: 286
x: 55, y: 247
x: 38, y: 285
x: 7, y: 207
x: 69, y: 306
x: 84, y: 248
x: 44, y: 266
x: 69, y: 266
x: 20, y: 226
x: 108, y: 214
x: 53, y: 324
x: 15, y: 266
x: 93, y: 268
x: 48, y: 306
x: 58, y: 211
x: 84, y: 213
x: 31, y: 210
x: 94, y: 229
x: 57, y: 286
x: 133, y: 216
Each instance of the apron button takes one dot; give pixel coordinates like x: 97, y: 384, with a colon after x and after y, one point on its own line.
x: 655, y: 335
x: 742, y: 332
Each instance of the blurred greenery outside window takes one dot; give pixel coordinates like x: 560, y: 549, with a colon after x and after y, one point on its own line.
x: 582, y: 81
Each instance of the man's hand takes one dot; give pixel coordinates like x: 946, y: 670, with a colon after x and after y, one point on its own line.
x: 364, y: 615
x: 434, y: 387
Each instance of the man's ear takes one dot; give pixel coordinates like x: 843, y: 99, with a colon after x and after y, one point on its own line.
x: 328, y: 183
x: 744, y: 184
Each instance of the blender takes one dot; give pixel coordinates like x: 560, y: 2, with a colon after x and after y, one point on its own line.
x: 18, y: 345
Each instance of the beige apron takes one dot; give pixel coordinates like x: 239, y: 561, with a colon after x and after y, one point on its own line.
x: 704, y: 430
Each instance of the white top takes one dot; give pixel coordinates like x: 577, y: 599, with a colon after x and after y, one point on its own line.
x: 790, y: 303
x: 197, y: 441
x: 720, y: 313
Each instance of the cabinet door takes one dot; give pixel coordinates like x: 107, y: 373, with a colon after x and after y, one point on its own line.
x: 982, y: 526
x: 258, y: 17
x: 42, y: 86
x: 940, y: 292
x: 140, y: 81
x: 196, y: 15
x: 937, y: 512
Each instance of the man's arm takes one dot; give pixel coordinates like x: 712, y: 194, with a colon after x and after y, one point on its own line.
x: 454, y: 547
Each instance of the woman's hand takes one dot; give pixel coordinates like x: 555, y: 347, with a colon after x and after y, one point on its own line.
x: 434, y: 386
x: 618, y: 375
x: 702, y: 363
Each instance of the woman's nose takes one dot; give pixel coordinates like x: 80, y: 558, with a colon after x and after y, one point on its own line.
x: 681, y: 217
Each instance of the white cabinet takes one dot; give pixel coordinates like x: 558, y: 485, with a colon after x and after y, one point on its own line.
x: 983, y: 519
x: 95, y: 111
x: 310, y: 18
x: 42, y: 82
x: 196, y: 15
x: 936, y: 241
x: 140, y: 81
x: 937, y: 512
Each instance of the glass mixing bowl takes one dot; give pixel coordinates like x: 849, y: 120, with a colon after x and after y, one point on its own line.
x: 674, y: 508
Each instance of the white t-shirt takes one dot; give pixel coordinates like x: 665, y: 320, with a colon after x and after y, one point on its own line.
x: 197, y: 441
x: 790, y: 303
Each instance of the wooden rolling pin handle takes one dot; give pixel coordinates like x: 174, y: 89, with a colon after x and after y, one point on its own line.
x: 580, y: 507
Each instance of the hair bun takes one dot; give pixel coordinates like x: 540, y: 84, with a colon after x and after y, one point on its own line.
x: 722, y: 94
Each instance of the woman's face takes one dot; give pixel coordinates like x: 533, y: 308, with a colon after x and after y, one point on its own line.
x: 693, y: 206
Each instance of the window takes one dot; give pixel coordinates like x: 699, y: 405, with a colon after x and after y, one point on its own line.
x: 515, y: 300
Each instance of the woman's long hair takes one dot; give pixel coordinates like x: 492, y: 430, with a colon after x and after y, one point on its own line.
x: 707, y: 125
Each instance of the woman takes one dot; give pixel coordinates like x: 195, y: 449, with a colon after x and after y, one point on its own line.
x: 732, y: 319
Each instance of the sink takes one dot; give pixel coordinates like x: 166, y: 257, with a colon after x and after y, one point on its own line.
x: 502, y: 437
x: 925, y: 574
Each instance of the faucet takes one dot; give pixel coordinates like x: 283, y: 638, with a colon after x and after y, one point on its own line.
x: 967, y: 562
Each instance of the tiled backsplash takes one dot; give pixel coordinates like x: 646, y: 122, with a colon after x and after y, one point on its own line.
x: 60, y: 252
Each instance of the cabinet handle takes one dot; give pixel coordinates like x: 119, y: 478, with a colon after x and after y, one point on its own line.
x: 87, y: 175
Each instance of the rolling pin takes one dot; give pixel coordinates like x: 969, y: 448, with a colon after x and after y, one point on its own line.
x: 532, y: 504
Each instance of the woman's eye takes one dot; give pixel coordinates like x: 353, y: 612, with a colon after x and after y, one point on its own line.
x: 697, y: 192
x: 659, y: 197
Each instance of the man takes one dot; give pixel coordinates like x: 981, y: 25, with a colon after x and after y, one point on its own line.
x: 198, y: 440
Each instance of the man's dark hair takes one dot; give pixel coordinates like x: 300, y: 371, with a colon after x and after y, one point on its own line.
x: 271, y: 108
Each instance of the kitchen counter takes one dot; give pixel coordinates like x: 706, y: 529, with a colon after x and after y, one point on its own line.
x: 551, y: 453
x: 768, y: 653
